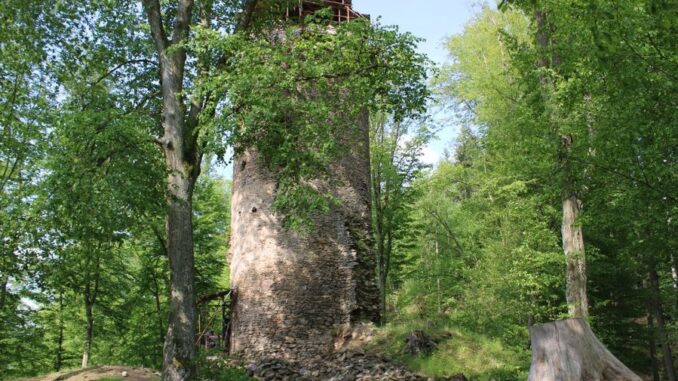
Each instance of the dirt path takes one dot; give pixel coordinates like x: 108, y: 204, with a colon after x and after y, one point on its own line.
x: 109, y: 373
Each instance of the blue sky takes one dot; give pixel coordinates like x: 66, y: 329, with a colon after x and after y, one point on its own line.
x: 433, y: 20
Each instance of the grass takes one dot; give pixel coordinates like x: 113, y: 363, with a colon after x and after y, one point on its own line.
x: 219, y: 368
x: 459, y: 351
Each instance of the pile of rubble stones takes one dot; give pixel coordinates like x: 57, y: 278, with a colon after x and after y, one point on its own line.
x: 350, y: 365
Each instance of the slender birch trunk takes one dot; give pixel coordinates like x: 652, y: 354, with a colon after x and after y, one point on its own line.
x: 89, y: 332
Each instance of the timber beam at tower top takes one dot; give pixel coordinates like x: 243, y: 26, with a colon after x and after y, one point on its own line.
x: 342, y: 9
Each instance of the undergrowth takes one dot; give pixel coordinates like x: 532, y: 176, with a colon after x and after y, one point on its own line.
x: 215, y: 366
x: 458, y: 350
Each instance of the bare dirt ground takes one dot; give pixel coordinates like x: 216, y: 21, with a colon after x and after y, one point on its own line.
x: 109, y: 373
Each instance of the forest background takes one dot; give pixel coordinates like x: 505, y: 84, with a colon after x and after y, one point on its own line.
x: 469, y: 250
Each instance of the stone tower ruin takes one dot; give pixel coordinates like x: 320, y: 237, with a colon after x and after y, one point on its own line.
x: 293, y: 292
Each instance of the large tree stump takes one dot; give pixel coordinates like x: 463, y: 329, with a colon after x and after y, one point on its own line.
x: 567, y: 350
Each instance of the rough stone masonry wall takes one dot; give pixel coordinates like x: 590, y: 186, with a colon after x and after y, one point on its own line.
x: 295, y: 291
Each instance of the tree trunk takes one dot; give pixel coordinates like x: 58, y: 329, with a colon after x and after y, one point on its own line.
x: 674, y: 276
x: 380, y: 254
x: 674, y: 271
x: 158, y: 307
x: 573, y: 247
x: 182, y: 157
x: 382, y: 257
x: 90, y: 298
x: 567, y: 350
x: 89, y: 331
x: 572, y: 236
x: 179, y: 350
x: 184, y: 168
x: 437, y: 271
x: 381, y: 279
x: 384, y: 249
x: 658, y: 313
x: 58, y: 362
x: 653, y: 349
x: 378, y: 226
x: 3, y: 293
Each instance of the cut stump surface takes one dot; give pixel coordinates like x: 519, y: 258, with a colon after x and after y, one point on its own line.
x: 567, y: 350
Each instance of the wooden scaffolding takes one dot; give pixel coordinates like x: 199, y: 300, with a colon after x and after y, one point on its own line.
x: 342, y: 9
x: 214, y: 316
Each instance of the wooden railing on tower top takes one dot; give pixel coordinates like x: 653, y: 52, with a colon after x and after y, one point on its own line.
x: 343, y: 9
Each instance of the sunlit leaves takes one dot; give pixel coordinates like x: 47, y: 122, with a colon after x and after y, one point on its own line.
x: 288, y: 91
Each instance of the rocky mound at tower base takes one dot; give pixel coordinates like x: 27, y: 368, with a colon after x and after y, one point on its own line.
x: 347, y: 365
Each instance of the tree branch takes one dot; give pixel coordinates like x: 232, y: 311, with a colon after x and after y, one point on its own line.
x: 114, y: 69
x: 199, y: 100
x: 161, y: 240
x: 448, y: 230
x: 182, y: 23
x: 246, y: 17
x: 155, y: 22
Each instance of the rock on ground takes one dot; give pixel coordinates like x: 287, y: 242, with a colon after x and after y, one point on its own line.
x: 350, y: 365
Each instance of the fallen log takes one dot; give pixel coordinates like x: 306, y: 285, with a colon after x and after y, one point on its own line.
x: 567, y: 350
